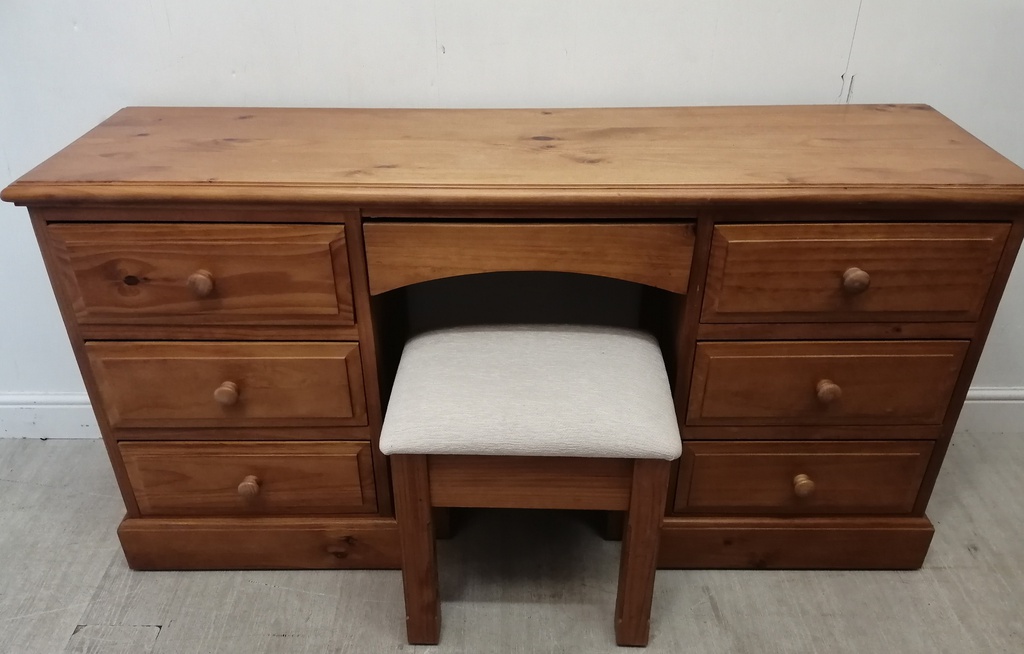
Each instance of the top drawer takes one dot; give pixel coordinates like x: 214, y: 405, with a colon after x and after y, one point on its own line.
x: 851, y: 272
x: 401, y: 253
x: 204, y: 274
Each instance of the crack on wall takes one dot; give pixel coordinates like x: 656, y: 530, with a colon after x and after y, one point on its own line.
x: 437, y: 58
x: 849, y: 57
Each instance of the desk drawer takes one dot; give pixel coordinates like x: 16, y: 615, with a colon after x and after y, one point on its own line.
x: 205, y: 274
x: 230, y: 478
x: 402, y: 253
x: 226, y: 384
x: 823, y: 382
x: 786, y: 477
x: 851, y: 272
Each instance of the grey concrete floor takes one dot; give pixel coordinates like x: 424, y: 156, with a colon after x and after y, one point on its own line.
x: 510, y: 581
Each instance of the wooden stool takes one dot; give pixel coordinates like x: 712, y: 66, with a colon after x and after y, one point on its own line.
x: 544, y: 417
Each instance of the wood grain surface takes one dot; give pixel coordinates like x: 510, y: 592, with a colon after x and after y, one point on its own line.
x: 400, y: 254
x: 200, y: 478
x: 260, y: 543
x: 776, y: 382
x: 760, y: 477
x: 89, y: 379
x: 638, y: 561
x: 256, y: 274
x: 812, y: 432
x: 578, y: 156
x: 370, y: 356
x: 525, y: 482
x: 795, y: 273
x: 413, y: 503
x: 865, y: 543
x: 172, y: 384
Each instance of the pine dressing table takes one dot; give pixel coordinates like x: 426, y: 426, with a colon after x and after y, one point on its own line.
x: 822, y: 280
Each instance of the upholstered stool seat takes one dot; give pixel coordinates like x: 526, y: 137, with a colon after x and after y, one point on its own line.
x: 545, y: 390
x: 532, y: 416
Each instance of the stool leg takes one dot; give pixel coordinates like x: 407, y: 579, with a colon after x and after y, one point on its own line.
x: 640, y: 552
x: 419, y: 559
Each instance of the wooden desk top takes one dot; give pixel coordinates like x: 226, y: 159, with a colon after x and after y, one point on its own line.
x: 889, y: 153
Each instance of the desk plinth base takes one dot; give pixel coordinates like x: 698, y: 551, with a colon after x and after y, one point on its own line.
x: 853, y: 543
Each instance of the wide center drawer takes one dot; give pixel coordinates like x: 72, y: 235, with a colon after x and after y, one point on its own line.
x: 402, y: 253
x: 143, y: 273
x: 231, y: 478
x: 851, y: 272
x: 823, y: 382
x: 229, y: 384
x: 788, y: 477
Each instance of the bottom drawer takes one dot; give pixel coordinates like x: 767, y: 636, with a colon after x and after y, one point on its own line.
x: 247, y: 478
x: 795, y: 542
x: 801, y: 477
x: 261, y: 543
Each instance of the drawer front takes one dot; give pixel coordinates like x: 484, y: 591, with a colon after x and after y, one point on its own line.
x: 851, y: 272
x: 785, y: 477
x: 205, y: 274
x: 823, y: 382
x: 233, y: 478
x: 399, y: 253
x: 224, y: 384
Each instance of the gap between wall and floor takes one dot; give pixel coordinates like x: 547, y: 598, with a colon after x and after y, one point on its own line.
x: 69, y: 415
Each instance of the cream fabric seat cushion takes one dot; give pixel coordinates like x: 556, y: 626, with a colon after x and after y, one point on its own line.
x: 532, y: 390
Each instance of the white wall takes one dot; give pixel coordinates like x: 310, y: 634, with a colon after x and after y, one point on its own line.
x: 65, y: 65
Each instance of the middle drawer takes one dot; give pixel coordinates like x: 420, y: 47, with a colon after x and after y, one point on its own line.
x: 823, y: 382
x: 228, y: 384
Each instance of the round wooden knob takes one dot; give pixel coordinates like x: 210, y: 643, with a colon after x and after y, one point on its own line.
x: 226, y: 393
x: 250, y: 487
x: 201, y: 283
x: 803, y: 485
x: 828, y: 391
x: 856, y: 281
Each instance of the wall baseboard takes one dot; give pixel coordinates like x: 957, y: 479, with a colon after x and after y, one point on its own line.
x: 47, y: 415
x: 995, y: 409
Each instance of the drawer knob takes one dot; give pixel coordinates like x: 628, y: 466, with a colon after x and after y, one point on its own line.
x: 803, y: 485
x: 828, y: 391
x: 226, y: 394
x: 201, y: 283
x: 856, y: 281
x: 250, y: 487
